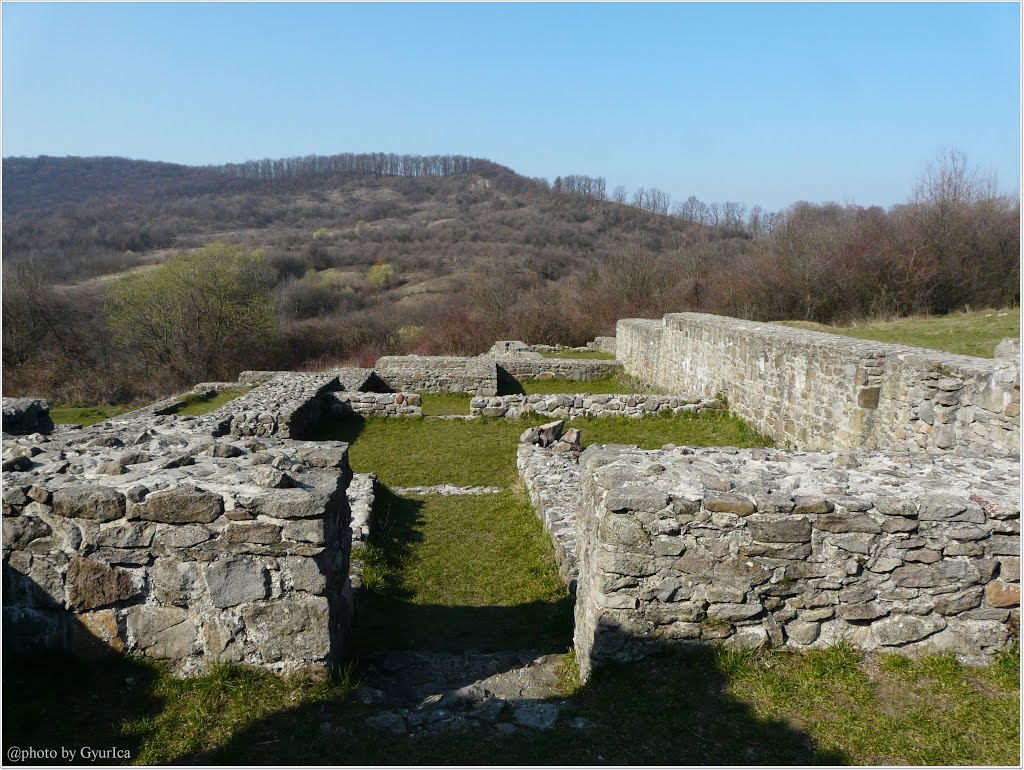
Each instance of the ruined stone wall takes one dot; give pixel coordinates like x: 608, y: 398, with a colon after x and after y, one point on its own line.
x: 378, y: 404
x: 565, y: 406
x: 898, y: 552
x: 439, y: 374
x: 179, y: 547
x: 175, y: 537
x: 286, y: 405
x: 525, y: 368
x: 26, y: 415
x: 822, y: 391
x: 603, y: 344
x: 552, y: 480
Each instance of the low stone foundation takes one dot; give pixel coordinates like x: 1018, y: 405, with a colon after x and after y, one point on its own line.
x: 567, y: 406
x: 161, y: 535
x: 439, y: 374
x: 908, y: 553
x: 552, y: 479
x: 377, y: 404
x: 533, y: 366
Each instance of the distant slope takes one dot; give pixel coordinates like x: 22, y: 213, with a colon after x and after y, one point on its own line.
x: 45, y: 184
x: 77, y: 218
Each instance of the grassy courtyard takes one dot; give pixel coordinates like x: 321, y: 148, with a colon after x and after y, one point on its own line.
x: 459, y: 573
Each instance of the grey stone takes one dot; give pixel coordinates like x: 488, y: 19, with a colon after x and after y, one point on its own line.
x: 182, y: 536
x: 902, y: 629
x: 268, y: 476
x: 791, y: 529
x: 949, y: 508
x: 387, y: 722
x: 624, y: 531
x: 20, y: 531
x: 304, y: 531
x: 637, y: 499
x: 162, y: 632
x: 732, y: 612
x: 536, y: 714
x: 801, y: 632
x: 180, y: 506
x: 839, y: 522
x: 81, y: 501
x: 236, y: 580
x: 258, y: 532
x: 859, y: 613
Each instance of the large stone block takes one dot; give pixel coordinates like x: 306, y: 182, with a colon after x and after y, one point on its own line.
x: 92, y: 585
x: 236, y: 581
x: 180, y: 506
x: 84, y: 501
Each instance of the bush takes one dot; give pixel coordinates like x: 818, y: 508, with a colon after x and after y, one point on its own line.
x: 196, y: 315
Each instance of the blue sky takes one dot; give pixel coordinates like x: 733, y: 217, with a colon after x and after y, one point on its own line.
x: 761, y: 103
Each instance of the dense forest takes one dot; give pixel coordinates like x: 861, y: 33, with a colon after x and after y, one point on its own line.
x: 349, y: 257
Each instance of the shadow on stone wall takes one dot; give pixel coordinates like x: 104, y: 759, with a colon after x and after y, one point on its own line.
x: 64, y: 686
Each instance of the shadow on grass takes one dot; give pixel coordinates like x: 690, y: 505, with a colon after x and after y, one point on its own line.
x: 672, y: 709
x: 389, y: 617
x: 54, y: 701
x: 346, y: 428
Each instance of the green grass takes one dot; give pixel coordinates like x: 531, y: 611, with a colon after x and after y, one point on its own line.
x: 462, y: 573
x: 619, y: 384
x: 589, y: 355
x: 974, y: 333
x: 454, y: 573
x: 702, y: 707
x: 195, y: 404
x: 445, y: 403
x: 69, y: 414
x: 413, y: 452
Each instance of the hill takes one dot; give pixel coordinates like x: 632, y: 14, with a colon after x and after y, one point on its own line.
x: 382, y: 253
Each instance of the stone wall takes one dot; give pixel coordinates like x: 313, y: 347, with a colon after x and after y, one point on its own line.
x: 180, y: 547
x: 377, y: 404
x: 174, y: 537
x: 822, y: 391
x: 26, y: 415
x: 566, y: 406
x: 534, y: 366
x: 603, y: 344
x: 439, y: 374
x: 906, y: 553
x: 552, y: 479
x: 286, y: 405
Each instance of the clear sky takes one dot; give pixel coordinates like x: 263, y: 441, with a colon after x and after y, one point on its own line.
x: 761, y: 103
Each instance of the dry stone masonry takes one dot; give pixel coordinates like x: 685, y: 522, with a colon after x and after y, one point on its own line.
x: 813, y: 390
x: 890, y: 551
x: 199, y: 540
x: 377, y: 404
x: 439, y: 374
x: 564, y: 406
